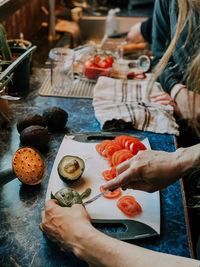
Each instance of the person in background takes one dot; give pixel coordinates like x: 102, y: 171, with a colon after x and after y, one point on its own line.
x: 149, y: 171
x: 178, y: 68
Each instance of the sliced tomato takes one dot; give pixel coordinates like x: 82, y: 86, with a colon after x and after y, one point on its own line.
x: 109, y: 174
x: 121, y: 156
x: 129, y: 206
x: 128, y: 139
x: 101, y: 146
x: 110, y: 150
x: 124, y: 140
x: 137, y: 147
x: 112, y: 194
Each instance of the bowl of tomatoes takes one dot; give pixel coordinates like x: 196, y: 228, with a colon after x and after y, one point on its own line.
x: 98, y: 65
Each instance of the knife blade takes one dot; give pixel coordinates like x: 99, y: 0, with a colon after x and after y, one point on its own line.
x: 98, y: 196
x: 118, y: 35
x: 9, y: 97
x: 95, y: 198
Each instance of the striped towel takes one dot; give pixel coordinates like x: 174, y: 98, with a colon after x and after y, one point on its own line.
x: 122, y: 104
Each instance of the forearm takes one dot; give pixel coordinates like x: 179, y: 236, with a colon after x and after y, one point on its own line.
x: 187, y: 101
x: 188, y: 159
x: 99, y: 249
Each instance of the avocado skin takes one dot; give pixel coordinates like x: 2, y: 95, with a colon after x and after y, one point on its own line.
x: 55, y: 117
x: 30, y: 119
x: 35, y: 136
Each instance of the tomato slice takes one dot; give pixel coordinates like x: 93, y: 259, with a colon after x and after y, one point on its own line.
x: 137, y: 147
x: 129, y: 206
x: 112, y: 194
x: 109, y: 174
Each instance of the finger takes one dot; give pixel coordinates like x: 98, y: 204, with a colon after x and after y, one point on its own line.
x: 51, y: 203
x: 122, y: 167
x: 166, y: 102
x: 162, y: 97
x: 42, y: 216
x: 41, y: 227
x: 112, y: 184
x: 153, y: 95
x: 121, y: 180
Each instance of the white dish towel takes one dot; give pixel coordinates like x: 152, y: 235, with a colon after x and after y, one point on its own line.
x: 123, y: 104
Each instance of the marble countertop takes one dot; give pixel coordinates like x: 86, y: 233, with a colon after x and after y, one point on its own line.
x: 21, y: 241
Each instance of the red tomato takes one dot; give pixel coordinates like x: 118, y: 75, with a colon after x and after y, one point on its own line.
x: 135, y: 148
x: 96, y: 59
x: 89, y: 63
x: 129, y: 206
x: 110, y: 60
x: 109, y: 174
x: 90, y: 69
x: 112, y: 194
x: 103, y: 64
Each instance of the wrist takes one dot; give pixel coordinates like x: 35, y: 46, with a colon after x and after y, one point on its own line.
x: 83, y: 240
x: 176, y: 89
x: 187, y: 159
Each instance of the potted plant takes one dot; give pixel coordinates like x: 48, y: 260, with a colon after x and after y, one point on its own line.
x: 16, y: 60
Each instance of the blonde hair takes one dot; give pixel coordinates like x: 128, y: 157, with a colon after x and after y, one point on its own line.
x: 187, y: 9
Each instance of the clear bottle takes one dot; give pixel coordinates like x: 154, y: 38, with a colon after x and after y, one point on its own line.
x: 111, y: 22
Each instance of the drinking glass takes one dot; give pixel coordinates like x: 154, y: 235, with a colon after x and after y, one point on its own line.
x: 62, y: 68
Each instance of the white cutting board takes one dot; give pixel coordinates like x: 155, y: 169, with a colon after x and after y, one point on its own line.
x: 95, y: 164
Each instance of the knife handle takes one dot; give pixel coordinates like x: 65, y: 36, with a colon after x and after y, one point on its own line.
x: 125, y: 229
x: 94, y: 137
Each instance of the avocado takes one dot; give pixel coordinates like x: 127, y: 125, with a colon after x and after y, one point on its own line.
x: 67, y: 196
x: 30, y: 119
x: 36, y: 136
x: 55, y: 117
x: 70, y: 168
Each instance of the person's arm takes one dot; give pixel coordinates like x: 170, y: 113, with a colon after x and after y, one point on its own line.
x: 188, y: 102
x: 72, y: 230
x: 146, y: 30
x: 141, y: 32
x: 161, y: 36
x: 152, y: 170
x: 135, y: 34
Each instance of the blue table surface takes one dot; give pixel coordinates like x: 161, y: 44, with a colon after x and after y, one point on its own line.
x: 21, y: 241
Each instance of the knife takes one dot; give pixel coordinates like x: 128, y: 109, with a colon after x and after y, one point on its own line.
x: 9, y: 97
x: 97, y: 196
x: 118, y: 35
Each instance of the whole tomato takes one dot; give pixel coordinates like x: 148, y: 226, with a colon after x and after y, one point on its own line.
x: 97, y: 66
x: 90, y: 69
x: 110, y: 60
x: 105, y: 62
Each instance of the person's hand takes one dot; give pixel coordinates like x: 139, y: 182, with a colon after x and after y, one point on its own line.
x: 164, y: 98
x: 65, y: 225
x: 135, y: 35
x: 148, y: 171
x: 188, y: 103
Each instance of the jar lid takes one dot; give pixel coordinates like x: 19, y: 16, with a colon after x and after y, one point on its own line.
x: 144, y: 63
